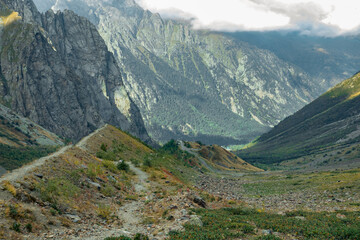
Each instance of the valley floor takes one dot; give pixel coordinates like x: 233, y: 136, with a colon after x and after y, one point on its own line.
x: 76, y: 194
x: 281, y: 191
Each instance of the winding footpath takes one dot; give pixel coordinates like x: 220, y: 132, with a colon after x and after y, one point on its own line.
x: 24, y: 170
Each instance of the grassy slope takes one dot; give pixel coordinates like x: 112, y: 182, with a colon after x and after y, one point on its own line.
x: 223, y: 159
x: 64, y: 187
x: 327, y: 121
x: 67, y: 183
x: 22, y: 141
x: 236, y: 223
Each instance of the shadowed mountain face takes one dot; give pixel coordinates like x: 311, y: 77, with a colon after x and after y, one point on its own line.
x: 329, y: 122
x: 196, y: 84
x: 56, y: 70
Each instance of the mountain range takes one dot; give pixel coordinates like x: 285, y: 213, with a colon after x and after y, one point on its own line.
x: 123, y: 65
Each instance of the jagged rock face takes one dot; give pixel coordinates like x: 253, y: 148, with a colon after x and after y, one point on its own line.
x: 26, y: 9
x: 57, y: 71
x: 195, y: 84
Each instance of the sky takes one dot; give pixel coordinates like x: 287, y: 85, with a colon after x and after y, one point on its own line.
x: 315, y: 17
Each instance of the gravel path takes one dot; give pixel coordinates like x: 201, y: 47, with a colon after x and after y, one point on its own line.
x: 21, y: 172
x: 82, y: 143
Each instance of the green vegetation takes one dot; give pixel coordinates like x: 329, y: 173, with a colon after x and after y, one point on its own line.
x: 55, y: 190
x: 123, y: 166
x: 317, y: 128
x: 147, y: 162
x: 281, y: 184
x: 173, y: 149
x: 14, y: 157
x: 138, y: 236
x: 110, y: 165
x: 232, y: 223
x: 16, y: 227
x: 118, y: 238
x: 112, y: 153
x: 28, y: 227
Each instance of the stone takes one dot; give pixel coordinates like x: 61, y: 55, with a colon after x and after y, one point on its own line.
x: 201, y: 202
x: 340, y: 216
x: 38, y: 175
x: 173, y: 207
x: 97, y: 185
x: 73, y: 218
x: 183, y: 212
x: 195, y: 220
x: 266, y: 232
x: 300, y: 218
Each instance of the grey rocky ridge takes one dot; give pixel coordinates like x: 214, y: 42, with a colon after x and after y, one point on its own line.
x: 195, y: 84
x: 56, y: 70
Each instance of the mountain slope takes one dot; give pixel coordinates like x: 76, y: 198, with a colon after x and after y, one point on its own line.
x: 56, y: 70
x: 330, y: 121
x: 196, y: 84
x: 328, y: 60
x: 219, y: 158
x: 22, y: 140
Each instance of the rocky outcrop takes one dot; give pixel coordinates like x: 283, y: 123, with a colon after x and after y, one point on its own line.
x: 195, y: 84
x: 57, y: 71
x: 17, y: 131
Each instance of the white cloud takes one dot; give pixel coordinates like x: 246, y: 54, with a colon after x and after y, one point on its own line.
x: 321, y: 17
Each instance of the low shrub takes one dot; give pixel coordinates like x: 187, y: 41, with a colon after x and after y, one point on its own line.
x: 123, y: 166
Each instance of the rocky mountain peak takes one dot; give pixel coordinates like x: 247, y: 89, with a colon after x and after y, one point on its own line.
x: 59, y: 73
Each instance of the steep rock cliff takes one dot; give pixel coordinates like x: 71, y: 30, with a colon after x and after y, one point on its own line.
x: 57, y: 71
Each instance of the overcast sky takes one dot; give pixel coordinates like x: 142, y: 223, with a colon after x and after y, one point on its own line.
x: 318, y: 17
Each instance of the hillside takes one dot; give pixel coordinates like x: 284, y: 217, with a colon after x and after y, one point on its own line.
x: 327, y: 124
x: 219, y: 158
x: 328, y: 60
x: 195, y: 85
x: 112, y: 186
x: 109, y: 183
x: 56, y: 71
x: 22, y: 140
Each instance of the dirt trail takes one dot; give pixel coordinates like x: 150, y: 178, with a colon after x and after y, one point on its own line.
x: 141, y: 185
x: 82, y: 143
x: 130, y: 213
x: 21, y: 172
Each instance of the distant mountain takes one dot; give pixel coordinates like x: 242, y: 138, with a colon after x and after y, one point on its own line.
x: 56, y: 70
x: 328, y: 60
x: 195, y: 85
x: 329, y: 123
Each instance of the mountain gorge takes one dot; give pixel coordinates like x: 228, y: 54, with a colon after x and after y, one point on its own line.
x: 195, y: 85
x: 56, y: 70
